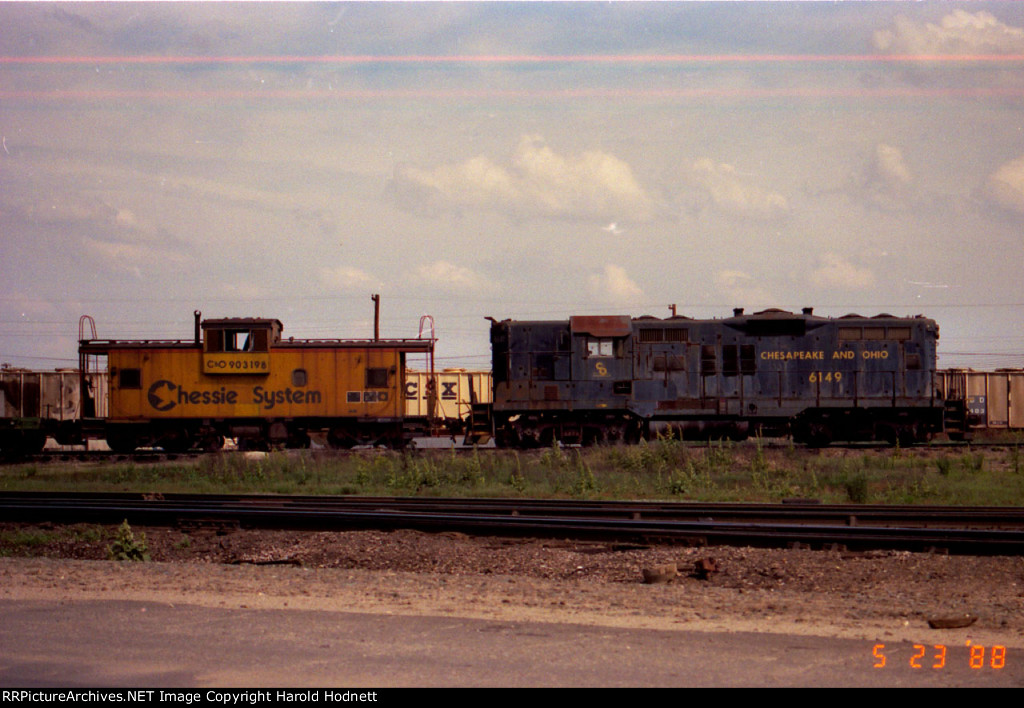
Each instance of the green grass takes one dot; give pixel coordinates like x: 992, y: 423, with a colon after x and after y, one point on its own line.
x: 27, y: 541
x: 660, y: 469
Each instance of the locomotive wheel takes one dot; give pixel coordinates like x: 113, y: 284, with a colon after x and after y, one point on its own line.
x: 505, y: 438
x: 592, y: 437
x: 902, y: 435
x: 816, y: 434
x: 912, y: 434
x: 819, y: 435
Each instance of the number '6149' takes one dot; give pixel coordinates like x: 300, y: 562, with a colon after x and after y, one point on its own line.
x: 820, y: 376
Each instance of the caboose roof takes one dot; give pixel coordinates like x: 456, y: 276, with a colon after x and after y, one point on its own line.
x: 242, y: 323
x: 602, y: 325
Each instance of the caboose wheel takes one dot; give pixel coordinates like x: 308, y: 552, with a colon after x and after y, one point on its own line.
x: 298, y: 439
x: 175, y: 441
x: 340, y: 439
x: 122, y: 442
x: 212, y: 443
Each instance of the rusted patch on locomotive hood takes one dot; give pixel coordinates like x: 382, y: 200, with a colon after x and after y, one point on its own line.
x: 602, y: 325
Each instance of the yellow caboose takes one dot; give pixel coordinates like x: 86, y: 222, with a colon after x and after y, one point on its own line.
x: 239, y: 378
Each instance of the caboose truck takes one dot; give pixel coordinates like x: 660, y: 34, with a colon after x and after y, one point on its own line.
x: 598, y: 378
x: 239, y: 378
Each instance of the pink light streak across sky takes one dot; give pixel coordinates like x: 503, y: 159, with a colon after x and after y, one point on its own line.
x: 520, y: 59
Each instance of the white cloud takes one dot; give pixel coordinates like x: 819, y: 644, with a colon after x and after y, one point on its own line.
x: 1005, y: 186
x: 133, y: 258
x: 613, y: 285
x: 888, y: 181
x: 740, y: 289
x: 890, y: 167
x: 65, y: 208
x: 443, y: 275
x: 733, y: 193
x: 125, y: 218
x: 243, y: 290
x: 537, y: 182
x: 836, y: 273
x: 346, y: 279
x: 960, y: 32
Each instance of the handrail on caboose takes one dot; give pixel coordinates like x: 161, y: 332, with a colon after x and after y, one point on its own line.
x: 432, y: 380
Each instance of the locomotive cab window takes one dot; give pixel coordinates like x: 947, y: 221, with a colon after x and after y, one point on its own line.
x: 604, y: 346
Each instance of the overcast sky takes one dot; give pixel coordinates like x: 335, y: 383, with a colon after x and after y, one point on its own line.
x: 523, y: 160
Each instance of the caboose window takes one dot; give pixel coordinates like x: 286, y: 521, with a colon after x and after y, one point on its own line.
x: 214, y: 340
x: 237, y: 340
x: 376, y: 378
x: 129, y: 378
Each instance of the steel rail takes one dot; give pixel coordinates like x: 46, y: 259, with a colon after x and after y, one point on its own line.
x: 702, y: 524
x: 797, y: 509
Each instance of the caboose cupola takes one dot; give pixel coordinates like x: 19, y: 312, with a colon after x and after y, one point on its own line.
x: 239, y: 345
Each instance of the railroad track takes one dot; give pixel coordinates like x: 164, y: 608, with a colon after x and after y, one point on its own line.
x: 967, y: 530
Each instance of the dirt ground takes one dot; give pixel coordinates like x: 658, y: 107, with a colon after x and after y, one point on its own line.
x: 884, y: 595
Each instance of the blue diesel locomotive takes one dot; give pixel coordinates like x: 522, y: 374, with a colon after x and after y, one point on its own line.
x: 614, y: 378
